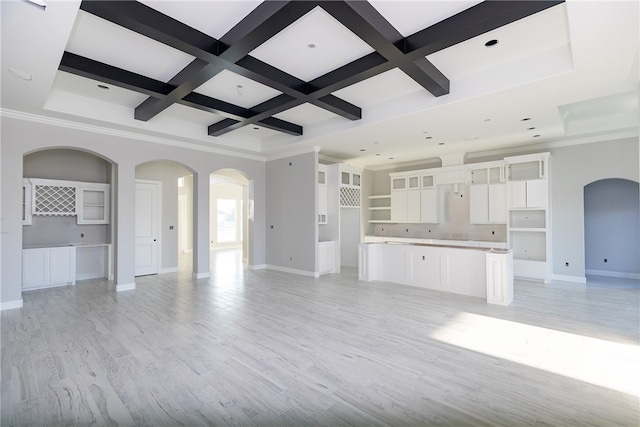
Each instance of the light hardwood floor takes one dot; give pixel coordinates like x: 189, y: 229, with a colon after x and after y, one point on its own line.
x: 274, y: 349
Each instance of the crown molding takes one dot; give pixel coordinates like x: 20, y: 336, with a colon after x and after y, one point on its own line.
x: 69, y: 124
x: 283, y: 153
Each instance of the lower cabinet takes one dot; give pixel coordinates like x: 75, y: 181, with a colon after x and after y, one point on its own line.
x: 326, y: 257
x: 46, y: 267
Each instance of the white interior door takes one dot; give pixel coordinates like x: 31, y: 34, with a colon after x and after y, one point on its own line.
x: 147, y: 227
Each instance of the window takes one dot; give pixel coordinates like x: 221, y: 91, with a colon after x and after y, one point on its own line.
x: 227, y: 221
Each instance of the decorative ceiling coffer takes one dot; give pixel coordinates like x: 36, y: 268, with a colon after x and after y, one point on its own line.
x: 232, y: 52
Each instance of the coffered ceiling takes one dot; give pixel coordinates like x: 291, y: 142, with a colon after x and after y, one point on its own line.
x: 370, y: 83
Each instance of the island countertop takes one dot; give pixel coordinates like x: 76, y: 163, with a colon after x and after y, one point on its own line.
x: 437, y: 242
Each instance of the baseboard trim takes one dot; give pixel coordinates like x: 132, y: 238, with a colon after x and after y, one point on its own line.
x: 168, y: 270
x: 126, y: 287
x: 616, y: 274
x: 257, y: 267
x: 292, y: 270
x: 10, y: 305
x: 201, y: 275
x: 572, y: 279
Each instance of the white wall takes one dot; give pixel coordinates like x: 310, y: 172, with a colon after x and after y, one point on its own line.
x: 20, y: 137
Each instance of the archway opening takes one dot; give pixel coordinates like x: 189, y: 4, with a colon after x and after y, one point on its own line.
x: 67, y: 217
x: 163, y: 222
x: 612, y: 228
x: 229, y: 212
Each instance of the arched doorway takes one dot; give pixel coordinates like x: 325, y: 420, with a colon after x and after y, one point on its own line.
x: 168, y: 184
x: 229, y: 214
x: 612, y: 229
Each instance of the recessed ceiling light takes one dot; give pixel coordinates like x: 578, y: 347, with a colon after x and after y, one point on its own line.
x: 525, y: 119
x: 531, y: 128
x: 362, y: 149
x: 390, y: 158
x: 440, y: 143
x: 20, y: 74
x: 428, y: 137
x: 105, y: 87
x: 378, y: 154
x: 487, y: 120
x: 491, y: 43
x: 311, y: 46
x: 256, y: 128
x: 535, y: 136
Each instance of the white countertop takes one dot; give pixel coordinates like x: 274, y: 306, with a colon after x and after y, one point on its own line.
x: 77, y: 245
x: 441, y: 242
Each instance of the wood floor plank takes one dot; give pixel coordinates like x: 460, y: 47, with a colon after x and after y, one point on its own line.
x: 252, y: 348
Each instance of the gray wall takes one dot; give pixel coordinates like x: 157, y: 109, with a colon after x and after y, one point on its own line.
x: 291, y: 211
x: 63, y: 230
x: 572, y: 168
x: 20, y: 137
x: 168, y: 173
x: 611, y: 218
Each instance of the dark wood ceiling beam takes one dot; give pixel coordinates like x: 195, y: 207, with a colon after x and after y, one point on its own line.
x: 99, y: 71
x: 85, y: 67
x: 364, y: 20
x: 470, y: 23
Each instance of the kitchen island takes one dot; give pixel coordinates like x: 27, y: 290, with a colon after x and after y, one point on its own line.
x: 466, y: 270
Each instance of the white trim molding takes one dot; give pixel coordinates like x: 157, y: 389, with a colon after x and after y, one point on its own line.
x: 201, y: 275
x: 126, y: 287
x: 257, y: 266
x: 10, y: 305
x: 292, y: 270
x: 572, y: 279
x: 616, y: 274
x: 168, y: 270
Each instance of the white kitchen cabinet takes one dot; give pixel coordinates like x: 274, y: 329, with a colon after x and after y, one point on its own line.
x: 528, y: 194
x: 499, y: 277
x: 529, y: 231
x: 93, y: 203
x: 53, y: 197
x: 47, y: 267
x: 405, y: 199
x: 326, y: 257
x: 488, y: 195
x: 429, y: 206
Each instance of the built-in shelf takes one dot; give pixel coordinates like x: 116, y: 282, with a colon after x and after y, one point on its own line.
x: 529, y: 230
x: 380, y: 208
x: 381, y: 221
x: 384, y: 196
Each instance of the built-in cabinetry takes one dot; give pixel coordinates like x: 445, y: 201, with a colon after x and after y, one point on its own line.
x: 46, y: 267
x: 326, y: 257
x: 529, y: 230
x: 414, y: 198
x: 89, y: 202
x: 488, y: 194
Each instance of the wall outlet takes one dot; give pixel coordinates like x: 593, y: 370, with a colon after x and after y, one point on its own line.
x: 82, y: 235
x: 566, y: 264
x: 290, y: 258
x: 605, y: 260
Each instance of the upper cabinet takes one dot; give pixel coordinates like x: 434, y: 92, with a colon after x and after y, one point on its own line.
x: 93, y: 203
x: 488, y: 194
x: 46, y: 197
x: 405, y: 198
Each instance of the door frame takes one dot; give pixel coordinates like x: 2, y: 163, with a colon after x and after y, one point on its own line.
x: 158, y: 184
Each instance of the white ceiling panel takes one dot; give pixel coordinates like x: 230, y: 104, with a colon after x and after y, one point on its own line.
x: 381, y: 88
x: 409, y: 17
x: 238, y: 90
x: 334, y: 46
x: 527, y: 37
x: 214, y: 18
x: 192, y: 115
x: 305, y: 114
x: 111, y: 44
x: 83, y: 86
